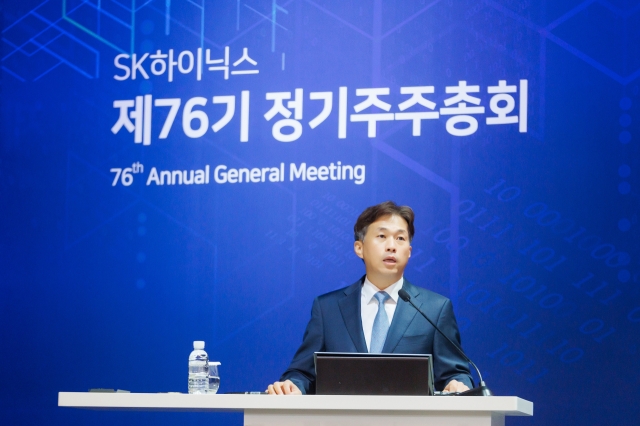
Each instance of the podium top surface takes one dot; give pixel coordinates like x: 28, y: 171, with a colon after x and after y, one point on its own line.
x: 507, y: 405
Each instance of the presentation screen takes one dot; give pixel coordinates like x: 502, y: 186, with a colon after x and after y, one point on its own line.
x: 180, y: 170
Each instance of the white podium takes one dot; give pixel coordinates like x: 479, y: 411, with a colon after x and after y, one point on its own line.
x: 319, y: 410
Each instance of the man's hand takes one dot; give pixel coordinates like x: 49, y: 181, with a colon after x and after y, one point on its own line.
x: 284, y: 388
x: 453, y: 386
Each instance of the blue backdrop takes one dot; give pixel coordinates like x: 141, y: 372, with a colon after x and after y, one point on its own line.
x: 177, y: 170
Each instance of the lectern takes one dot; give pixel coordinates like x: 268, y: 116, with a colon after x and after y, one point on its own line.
x: 319, y: 410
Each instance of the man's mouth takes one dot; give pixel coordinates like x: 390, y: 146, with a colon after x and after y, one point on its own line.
x: 389, y: 260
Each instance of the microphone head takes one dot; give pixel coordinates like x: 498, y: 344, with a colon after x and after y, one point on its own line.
x: 404, y: 295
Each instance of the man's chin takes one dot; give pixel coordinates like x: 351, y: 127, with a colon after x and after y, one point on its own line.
x: 390, y: 271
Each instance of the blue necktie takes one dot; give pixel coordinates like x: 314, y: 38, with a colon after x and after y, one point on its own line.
x: 380, y: 324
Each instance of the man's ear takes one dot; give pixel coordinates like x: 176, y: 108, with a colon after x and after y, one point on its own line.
x: 357, y: 247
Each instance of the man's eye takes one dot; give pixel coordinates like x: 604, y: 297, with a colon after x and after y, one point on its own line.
x: 380, y: 236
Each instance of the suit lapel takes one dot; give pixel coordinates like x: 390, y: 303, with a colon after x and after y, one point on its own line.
x: 350, y: 309
x: 401, y: 318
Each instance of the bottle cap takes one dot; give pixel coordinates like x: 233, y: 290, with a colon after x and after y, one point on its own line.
x: 198, y: 344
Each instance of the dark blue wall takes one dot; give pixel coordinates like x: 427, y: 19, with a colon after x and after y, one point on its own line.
x: 531, y: 229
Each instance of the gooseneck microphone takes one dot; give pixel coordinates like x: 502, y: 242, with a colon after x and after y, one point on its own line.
x: 481, y: 389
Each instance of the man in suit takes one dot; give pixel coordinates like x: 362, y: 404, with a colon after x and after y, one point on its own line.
x: 369, y: 316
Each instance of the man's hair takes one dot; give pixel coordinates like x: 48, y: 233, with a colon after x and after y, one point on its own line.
x: 373, y: 213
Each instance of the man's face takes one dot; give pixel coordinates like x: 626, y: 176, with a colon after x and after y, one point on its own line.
x: 385, y: 250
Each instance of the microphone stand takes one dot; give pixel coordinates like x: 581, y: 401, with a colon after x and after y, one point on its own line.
x: 481, y: 389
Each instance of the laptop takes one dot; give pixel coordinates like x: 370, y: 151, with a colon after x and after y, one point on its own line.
x: 340, y: 373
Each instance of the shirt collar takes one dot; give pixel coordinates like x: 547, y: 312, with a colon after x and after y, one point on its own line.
x: 369, y: 290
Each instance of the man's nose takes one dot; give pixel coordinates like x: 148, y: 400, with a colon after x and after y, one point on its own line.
x: 391, y: 246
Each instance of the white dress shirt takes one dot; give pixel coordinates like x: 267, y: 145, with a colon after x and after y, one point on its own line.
x: 369, y: 305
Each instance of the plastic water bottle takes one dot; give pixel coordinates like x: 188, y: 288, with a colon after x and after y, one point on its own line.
x: 198, y: 369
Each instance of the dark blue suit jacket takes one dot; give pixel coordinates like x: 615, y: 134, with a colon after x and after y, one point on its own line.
x: 336, y: 326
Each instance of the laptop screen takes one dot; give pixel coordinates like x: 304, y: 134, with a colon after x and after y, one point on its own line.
x: 373, y: 374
